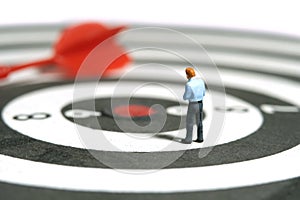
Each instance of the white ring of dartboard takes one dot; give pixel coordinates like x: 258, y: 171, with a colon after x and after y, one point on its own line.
x: 268, y: 149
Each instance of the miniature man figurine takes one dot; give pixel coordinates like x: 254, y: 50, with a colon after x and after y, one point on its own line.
x: 194, y: 93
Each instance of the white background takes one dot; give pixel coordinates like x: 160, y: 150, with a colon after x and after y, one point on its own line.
x: 263, y: 15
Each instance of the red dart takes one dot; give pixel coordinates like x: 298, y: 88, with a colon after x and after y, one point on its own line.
x: 73, y: 47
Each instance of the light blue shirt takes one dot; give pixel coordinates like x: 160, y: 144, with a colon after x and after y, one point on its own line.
x: 194, y: 90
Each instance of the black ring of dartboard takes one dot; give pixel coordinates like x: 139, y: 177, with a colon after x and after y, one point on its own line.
x: 108, y: 114
x: 268, y: 140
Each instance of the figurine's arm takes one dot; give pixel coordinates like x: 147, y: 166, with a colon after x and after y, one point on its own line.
x: 188, y: 92
x: 204, y: 88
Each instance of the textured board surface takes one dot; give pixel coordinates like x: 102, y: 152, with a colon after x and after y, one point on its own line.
x: 62, y: 139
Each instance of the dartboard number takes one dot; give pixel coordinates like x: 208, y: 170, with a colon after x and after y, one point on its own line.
x: 80, y: 113
x: 236, y: 109
x: 271, y: 109
x: 33, y: 116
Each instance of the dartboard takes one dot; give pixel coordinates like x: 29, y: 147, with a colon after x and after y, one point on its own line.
x: 119, y: 137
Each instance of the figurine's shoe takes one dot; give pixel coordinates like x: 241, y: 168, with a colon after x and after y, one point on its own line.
x: 199, y: 141
x: 184, y: 141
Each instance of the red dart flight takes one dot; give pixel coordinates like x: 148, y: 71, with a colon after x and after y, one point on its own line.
x: 73, y: 48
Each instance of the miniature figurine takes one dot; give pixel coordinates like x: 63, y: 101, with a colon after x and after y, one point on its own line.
x: 194, y: 93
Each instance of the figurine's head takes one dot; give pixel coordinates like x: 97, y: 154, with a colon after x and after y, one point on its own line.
x: 190, y: 72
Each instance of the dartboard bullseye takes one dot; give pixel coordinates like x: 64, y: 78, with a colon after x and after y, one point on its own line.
x: 114, y: 138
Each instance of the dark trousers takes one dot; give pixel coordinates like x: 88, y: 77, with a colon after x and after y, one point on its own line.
x: 194, y: 115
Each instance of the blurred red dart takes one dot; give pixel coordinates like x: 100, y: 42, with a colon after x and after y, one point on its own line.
x: 75, y: 44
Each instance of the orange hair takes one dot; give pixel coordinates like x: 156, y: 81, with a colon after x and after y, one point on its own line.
x: 190, y: 72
